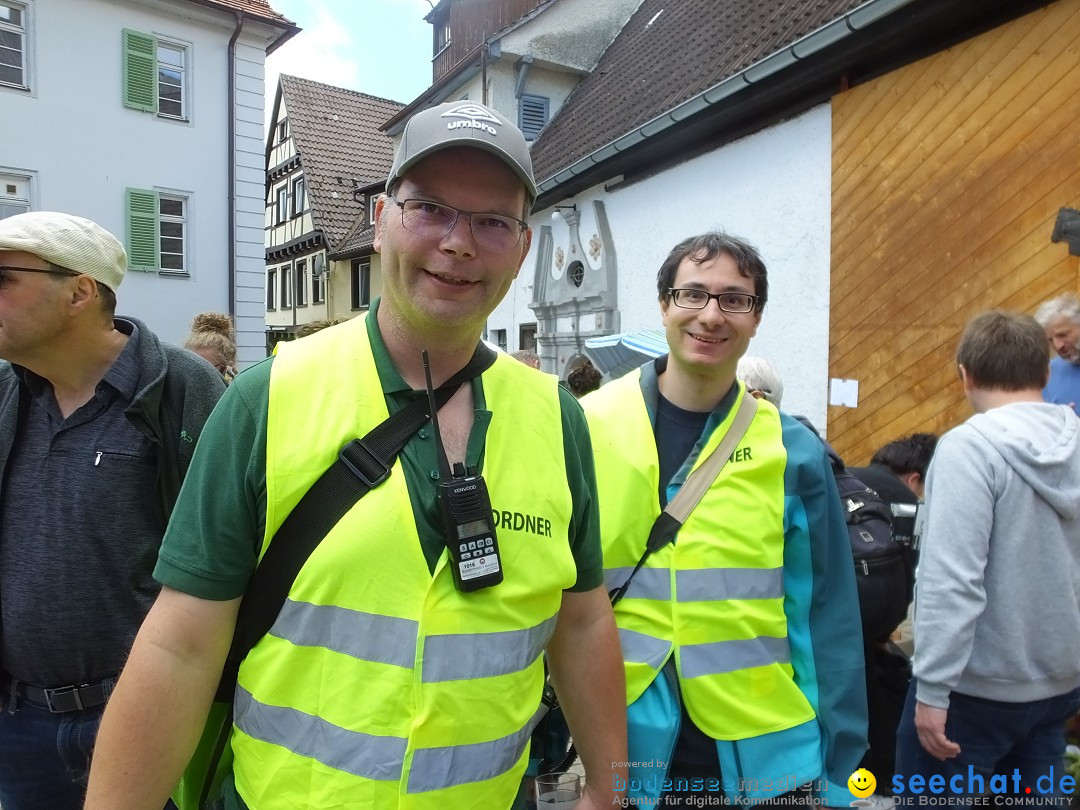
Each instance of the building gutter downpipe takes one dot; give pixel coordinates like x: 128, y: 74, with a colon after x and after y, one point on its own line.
x: 232, y: 160
x: 828, y: 35
x: 483, y: 73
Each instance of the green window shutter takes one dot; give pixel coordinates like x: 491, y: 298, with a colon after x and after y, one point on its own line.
x: 142, y: 229
x: 140, y: 71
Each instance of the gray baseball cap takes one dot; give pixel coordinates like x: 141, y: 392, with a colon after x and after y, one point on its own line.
x: 463, y: 123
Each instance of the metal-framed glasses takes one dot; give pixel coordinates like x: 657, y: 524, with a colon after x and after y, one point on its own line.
x: 5, y: 269
x: 434, y: 221
x: 691, y: 298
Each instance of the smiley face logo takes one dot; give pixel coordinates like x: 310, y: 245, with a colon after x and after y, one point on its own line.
x: 862, y: 783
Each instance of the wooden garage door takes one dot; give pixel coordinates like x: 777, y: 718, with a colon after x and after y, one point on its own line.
x: 948, y: 176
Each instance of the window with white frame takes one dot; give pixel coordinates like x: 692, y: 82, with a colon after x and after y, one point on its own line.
x: 299, y: 196
x: 158, y: 231
x: 318, y: 279
x: 271, y: 288
x: 155, y: 75
x: 499, y: 336
x: 361, y: 283
x: 527, y: 337
x: 282, y: 211
x: 301, y: 282
x: 372, y: 201
x: 14, y: 194
x: 13, y: 44
x: 442, y: 36
x: 171, y: 60
x: 286, y: 286
x: 172, y: 232
x: 282, y: 130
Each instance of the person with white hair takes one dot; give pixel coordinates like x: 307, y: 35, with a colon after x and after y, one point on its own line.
x: 762, y: 378
x: 98, y: 423
x: 1060, y: 319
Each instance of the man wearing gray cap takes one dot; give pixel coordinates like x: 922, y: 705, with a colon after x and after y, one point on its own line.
x: 405, y: 669
x: 98, y: 421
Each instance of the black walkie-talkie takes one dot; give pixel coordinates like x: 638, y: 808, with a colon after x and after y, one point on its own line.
x: 468, y: 524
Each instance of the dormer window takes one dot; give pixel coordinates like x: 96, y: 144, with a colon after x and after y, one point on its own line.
x: 442, y: 37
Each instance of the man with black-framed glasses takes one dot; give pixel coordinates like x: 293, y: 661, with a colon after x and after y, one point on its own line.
x: 740, y: 637
x: 98, y: 421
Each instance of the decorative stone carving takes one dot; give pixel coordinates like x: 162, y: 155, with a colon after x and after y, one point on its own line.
x: 580, y: 303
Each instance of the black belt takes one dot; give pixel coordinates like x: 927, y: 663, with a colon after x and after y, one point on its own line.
x: 65, y: 698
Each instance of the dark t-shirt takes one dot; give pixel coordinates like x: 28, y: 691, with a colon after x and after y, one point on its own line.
x: 677, y: 431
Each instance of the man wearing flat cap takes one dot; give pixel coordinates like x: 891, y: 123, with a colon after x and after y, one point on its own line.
x: 389, y: 679
x: 98, y: 421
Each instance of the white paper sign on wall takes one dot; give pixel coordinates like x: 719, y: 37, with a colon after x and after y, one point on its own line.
x: 844, y: 392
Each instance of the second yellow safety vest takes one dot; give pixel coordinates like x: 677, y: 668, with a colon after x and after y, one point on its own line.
x: 715, y: 598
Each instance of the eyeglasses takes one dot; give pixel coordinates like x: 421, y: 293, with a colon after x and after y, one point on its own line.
x: 435, y: 220
x: 690, y: 298
x: 7, y: 268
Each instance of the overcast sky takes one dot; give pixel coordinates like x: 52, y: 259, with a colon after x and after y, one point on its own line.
x: 380, y: 47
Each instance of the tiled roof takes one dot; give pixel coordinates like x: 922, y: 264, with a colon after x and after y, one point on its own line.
x: 336, y: 133
x: 667, y: 53
x: 356, y: 242
x: 256, y: 8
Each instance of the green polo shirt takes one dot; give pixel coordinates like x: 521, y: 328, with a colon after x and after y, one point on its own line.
x: 211, y: 545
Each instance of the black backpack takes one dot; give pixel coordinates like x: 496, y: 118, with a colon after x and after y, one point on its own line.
x: 882, y: 566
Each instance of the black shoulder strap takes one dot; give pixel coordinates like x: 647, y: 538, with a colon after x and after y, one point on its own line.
x: 362, y: 465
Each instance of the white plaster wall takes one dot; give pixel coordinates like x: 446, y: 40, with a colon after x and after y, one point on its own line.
x: 86, y: 147
x: 573, y: 33
x: 556, y: 85
x: 772, y: 188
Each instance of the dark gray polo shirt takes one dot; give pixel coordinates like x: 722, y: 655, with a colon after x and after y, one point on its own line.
x: 80, y: 526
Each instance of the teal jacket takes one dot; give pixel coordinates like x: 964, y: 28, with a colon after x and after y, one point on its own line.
x: 822, y: 609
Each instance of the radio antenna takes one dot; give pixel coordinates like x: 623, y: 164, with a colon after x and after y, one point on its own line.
x: 440, y: 451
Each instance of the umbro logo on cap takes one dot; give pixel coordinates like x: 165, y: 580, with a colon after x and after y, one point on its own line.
x: 475, y: 116
x: 463, y: 123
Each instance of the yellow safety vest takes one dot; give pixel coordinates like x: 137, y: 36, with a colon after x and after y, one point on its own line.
x: 381, y: 685
x: 715, y: 597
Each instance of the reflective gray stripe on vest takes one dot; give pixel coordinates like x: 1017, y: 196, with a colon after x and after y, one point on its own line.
x: 464, y: 656
x: 354, y: 752
x: 730, y: 656
x: 713, y: 584
x: 639, y: 648
x: 649, y: 583
x: 439, y: 768
x: 367, y: 636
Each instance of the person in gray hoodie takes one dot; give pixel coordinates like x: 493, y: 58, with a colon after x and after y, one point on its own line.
x: 997, y: 600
